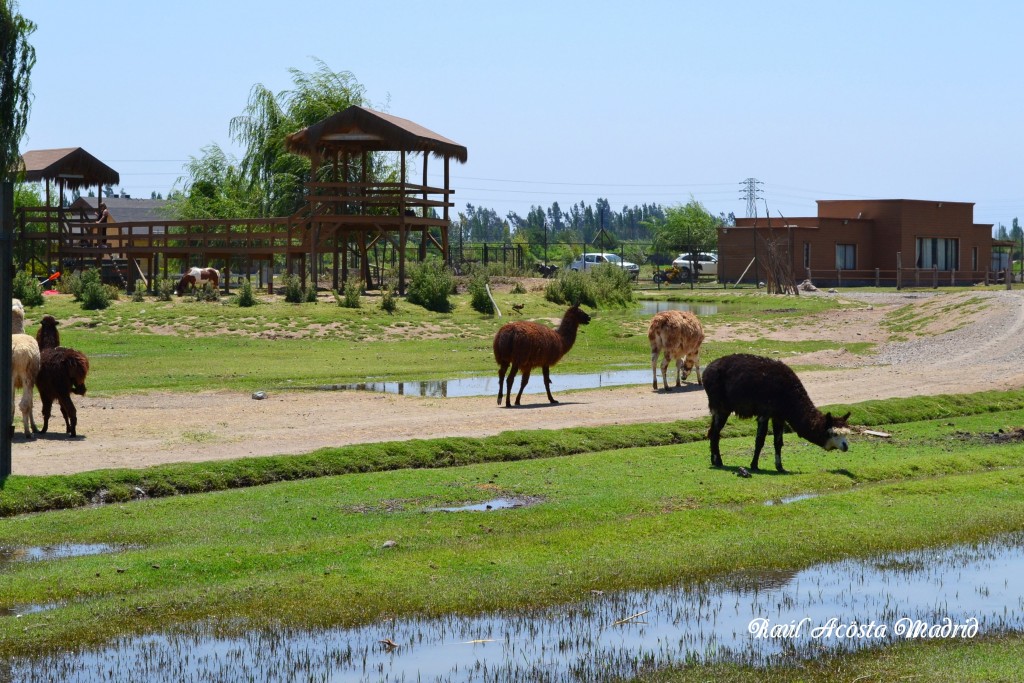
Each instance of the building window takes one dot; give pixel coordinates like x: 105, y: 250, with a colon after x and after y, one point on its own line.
x: 807, y: 255
x: 974, y: 258
x: 940, y: 252
x: 846, y: 257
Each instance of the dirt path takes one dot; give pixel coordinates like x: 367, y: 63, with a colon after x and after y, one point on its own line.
x: 149, y: 429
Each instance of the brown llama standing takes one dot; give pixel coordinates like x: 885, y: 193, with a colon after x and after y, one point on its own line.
x: 677, y: 334
x: 62, y: 372
x: 527, y: 345
x: 768, y: 389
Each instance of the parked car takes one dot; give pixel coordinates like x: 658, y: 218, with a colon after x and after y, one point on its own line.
x: 707, y: 264
x: 590, y: 260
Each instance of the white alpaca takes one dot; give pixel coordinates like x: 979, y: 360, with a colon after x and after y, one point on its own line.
x: 679, y: 335
x: 24, y: 367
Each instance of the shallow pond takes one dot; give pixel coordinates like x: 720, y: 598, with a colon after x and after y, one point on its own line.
x: 488, y: 386
x: 650, y: 307
x: 753, y: 617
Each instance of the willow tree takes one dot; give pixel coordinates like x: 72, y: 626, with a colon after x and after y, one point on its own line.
x: 17, y: 57
x: 215, y: 188
x: 278, y: 176
x: 685, y: 228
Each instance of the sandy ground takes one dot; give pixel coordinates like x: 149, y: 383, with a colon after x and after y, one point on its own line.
x: 148, y: 429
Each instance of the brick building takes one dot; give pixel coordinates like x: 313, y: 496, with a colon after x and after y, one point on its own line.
x: 863, y: 242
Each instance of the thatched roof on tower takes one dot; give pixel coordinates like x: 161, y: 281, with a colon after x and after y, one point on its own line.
x: 73, y: 166
x: 358, y: 129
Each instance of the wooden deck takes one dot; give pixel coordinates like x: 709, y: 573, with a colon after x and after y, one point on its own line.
x: 338, y: 219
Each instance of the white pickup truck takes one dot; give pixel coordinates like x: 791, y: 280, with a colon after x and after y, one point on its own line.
x: 707, y: 264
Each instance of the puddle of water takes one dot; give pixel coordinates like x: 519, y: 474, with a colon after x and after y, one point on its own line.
x: 54, y: 552
x: 608, y: 635
x: 792, y: 499
x: 22, y: 610
x: 488, y: 386
x: 650, y: 307
x: 496, y: 504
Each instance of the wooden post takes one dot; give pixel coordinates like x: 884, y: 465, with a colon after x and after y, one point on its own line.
x: 878, y: 276
x: 403, y: 235
x: 899, y: 270
x: 935, y: 276
x: 6, y: 324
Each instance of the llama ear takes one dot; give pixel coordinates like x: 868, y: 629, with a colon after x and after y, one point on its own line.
x: 842, y: 420
x: 828, y: 420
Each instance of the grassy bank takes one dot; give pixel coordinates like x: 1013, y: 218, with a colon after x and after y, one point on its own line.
x: 22, y: 494
x: 315, y: 552
x: 183, y: 345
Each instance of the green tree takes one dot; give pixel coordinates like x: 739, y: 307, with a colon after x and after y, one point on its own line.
x: 277, y: 176
x: 17, y: 57
x: 215, y: 188
x: 686, y: 227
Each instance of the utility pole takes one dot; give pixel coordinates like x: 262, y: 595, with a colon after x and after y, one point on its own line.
x: 750, y: 191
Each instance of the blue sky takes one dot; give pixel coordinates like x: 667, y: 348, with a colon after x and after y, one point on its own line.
x: 568, y: 101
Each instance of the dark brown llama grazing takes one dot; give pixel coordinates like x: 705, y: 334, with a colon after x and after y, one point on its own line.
x: 768, y: 389
x: 527, y: 345
x: 62, y: 372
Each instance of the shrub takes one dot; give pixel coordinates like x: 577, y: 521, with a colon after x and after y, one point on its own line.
x: 164, y: 289
x: 26, y: 288
x: 69, y: 283
x: 293, y: 293
x: 518, y: 288
x: 388, y: 303
x: 353, y: 290
x: 480, y: 300
x: 605, y: 286
x: 206, y: 293
x: 572, y: 288
x: 310, y: 293
x: 246, y: 297
x: 611, y: 286
x: 77, y: 283
x: 140, y: 291
x: 94, y: 296
x: 430, y: 284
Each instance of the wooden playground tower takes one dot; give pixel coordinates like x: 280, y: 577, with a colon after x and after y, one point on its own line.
x: 346, y: 208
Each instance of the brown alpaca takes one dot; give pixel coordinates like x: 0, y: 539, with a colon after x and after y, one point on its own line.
x: 768, y: 389
x: 62, y: 372
x: 528, y: 345
x: 47, y: 336
x: 677, y: 334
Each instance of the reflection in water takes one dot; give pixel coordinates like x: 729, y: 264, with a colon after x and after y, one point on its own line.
x: 487, y: 386
x: 53, y: 552
x: 651, y: 307
x: 601, y: 637
x: 496, y: 504
x: 792, y: 499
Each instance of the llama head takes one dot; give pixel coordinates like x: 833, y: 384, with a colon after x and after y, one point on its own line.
x: 835, y: 428
x: 577, y: 315
x: 49, y: 321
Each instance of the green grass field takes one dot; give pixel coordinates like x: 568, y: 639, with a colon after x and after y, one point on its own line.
x: 300, y: 540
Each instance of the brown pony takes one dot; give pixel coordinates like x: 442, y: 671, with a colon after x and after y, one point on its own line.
x: 197, y: 277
